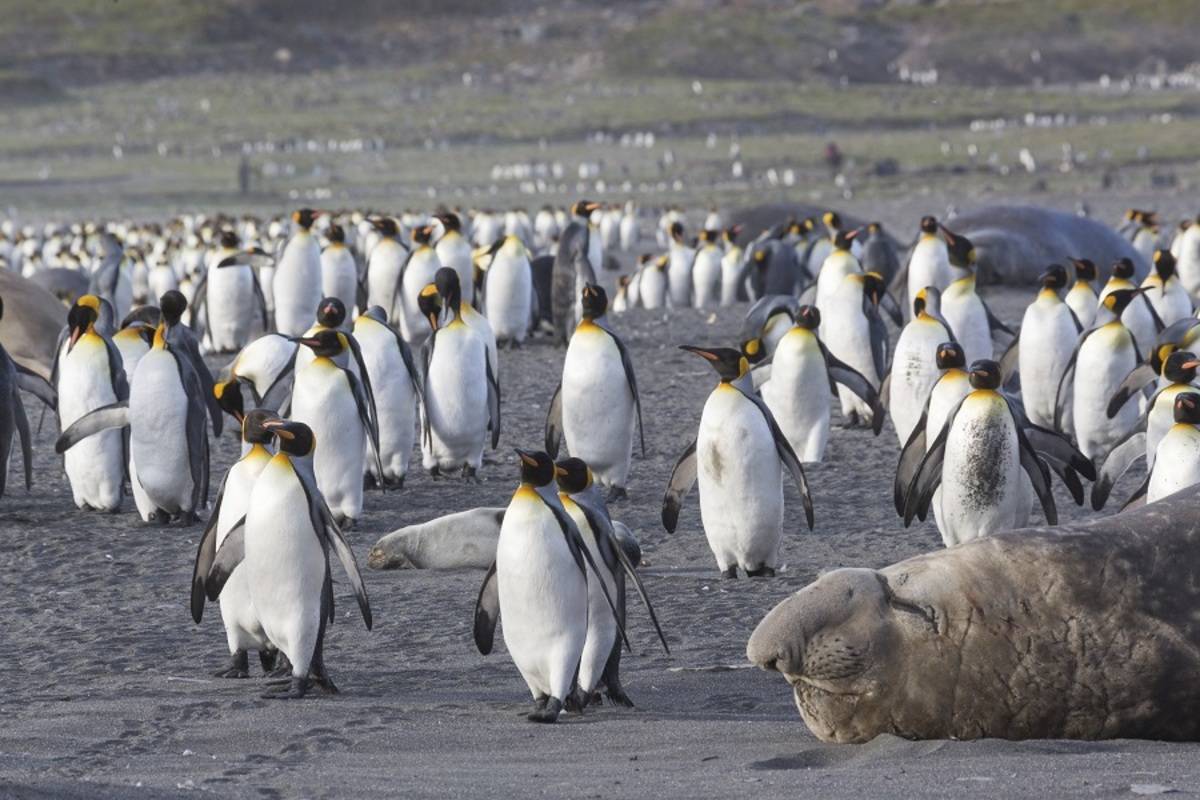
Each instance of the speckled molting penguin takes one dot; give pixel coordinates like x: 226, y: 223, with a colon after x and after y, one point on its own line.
x: 601, y: 659
x: 539, y: 585
x: 229, y: 299
x: 739, y: 456
x: 1082, y: 298
x: 1045, y: 341
x: 168, y: 446
x: 597, y: 405
x: 979, y: 459
x: 339, y: 272
x: 914, y: 368
x: 803, y: 374
x: 283, y: 545
x: 462, y: 397
x: 332, y: 401
x: 397, y: 386
x: 508, y: 292
x: 14, y: 423
x: 243, y: 631
x: 296, y: 285
x: 91, y: 375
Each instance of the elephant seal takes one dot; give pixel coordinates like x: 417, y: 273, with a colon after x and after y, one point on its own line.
x: 1088, y: 631
x: 466, y: 539
x: 32, y: 320
x: 1013, y: 244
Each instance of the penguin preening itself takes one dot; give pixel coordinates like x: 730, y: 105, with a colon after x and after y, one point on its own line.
x: 738, y: 457
x: 13, y: 420
x: 283, y: 545
x: 539, y: 584
x: 601, y: 659
x: 597, y: 401
x: 572, y: 269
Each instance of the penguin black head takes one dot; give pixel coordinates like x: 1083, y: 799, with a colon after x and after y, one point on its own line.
x: 79, y: 320
x: 430, y: 304
x: 1164, y: 264
x: 295, y: 438
x: 753, y: 350
x: 594, y: 301
x: 172, y: 305
x: 327, y: 343
x: 1085, y: 269
x: 921, y: 299
x: 1187, y: 408
x: 449, y: 287
x: 832, y: 221
x: 305, y: 218
x: 386, y: 226
x: 677, y: 230
x: 732, y: 234
x: 929, y: 224
x: 337, y: 234
x: 1180, y: 367
x: 1119, y: 300
x: 1123, y: 268
x: 961, y: 251
x: 984, y: 374
x: 874, y: 286
x: 950, y: 356
x: 254, y: 430
x: 1159, y: 355
x: 808, y: 317
x: 229, y: 239
x: 423, y: 234
x: 572, y: 475
x: 584, y: 208
x: 808, y: 225
x: 331, y: 312
x: 537, y: 468
x: 842, y: 240
x: 229, y: 398
x: 730, y: 364
x: 709, y: 236
x: 1054, y: 277
x: 874, y: 228
x: 449, y: 220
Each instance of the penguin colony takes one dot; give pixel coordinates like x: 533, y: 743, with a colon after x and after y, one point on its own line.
x: 355, y: 340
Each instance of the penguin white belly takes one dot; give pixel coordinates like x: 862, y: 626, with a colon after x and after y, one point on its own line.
x: 543, y: 597
x: 383, y: 273
x: 284, y: 563
x: 1048, y: 337
x: 96, y: 465
x: 1188, y: 261
x: 243, y: 631
x: 798, y: 394
x: 158, y: 409
x: 601, y: 624
x: 1082, y: 300
x: 339, y: 276
x: 1172, y: 304
x: 323, y: 400
x: 1160, y: 419
x: 653, y: 288
x: 706, y: 278
x: 297, y: 284
x: 456, y: 399
x: 816, y: 257
x: 1179, y: 456
x: 981, y: 473
x: 598, y: 413
x: 914, y: 372
x: 731, y: 274
x: 508, y: 299
x: 633, y: 290
x: 263, y: 360
x: 395, y: 397
x: 454, y: 252
x: 1138, y: 320
x: 847, y: 334
x: 161, y: 280
x: 230, y: 307
x: 965, y: 313
x: 679, y: 275
x: 740, y: 480
x: 132, y: 348
x: 929, y: 265
x: 833, y: 272
x: 1104, y: 359
x: 420, y: 272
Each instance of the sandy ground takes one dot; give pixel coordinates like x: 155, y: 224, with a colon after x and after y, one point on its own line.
x: 106, y: 689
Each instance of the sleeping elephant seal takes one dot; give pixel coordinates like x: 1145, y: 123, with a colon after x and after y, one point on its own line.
x: 32, y: 320
x: 457, y: 541
x: 1013, y: 244
x: 1088, y: 631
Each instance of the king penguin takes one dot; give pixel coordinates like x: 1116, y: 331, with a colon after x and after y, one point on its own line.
x: 1046, y: 339
x: 1082, y: 298
x: 454, y: 251
x: 929, y: 261
x: 968, y: 315
x: 397, y: 386
x: 857, y: 335
x: 229, y: 297
x: 384, y: 262
x: 706, y: 270
x: 339, y: 271
x: 508, y: 292
x: 733, y: 274
x: 914, y: 368
x: 572, y: 270
x: 1139, y: 315
x: 418, y: 272
x: 1168, y: 297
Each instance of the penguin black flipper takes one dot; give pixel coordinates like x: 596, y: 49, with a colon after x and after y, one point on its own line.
x: 1055, y: 446
x: 1067, y: 378
x: 365, y: 379
x: 683, y: 478
x: 889, y: 305
x: 200, y: 305
x: 627, y: 365
x: 197, y: 439
x: 929, y: 473
x: 1039, y: 475
x: 487, y: 611
x: 183, y: 341
x: 1158, y: 323
x: 22, y: 423
x: 879, y: 337
x: 279, y: 392
x: 1116, y: 464
x: 1138, y: 379
x: 116, y: 370
x: 399, y: 282
x: 856, y: 382
x: 1010, y: 362
x: 330, y: 535
x: 206, y: 553
x: 910, y: 461
x: 885, y: 392
x: 362, y: 402
x: 260, y: 300
x: 37, y: 386
x: 994, y: 322
x: 493, y: 401
x: 554, y: 428
x: 426, y: 358
x: 231, y: 553
x: 114, y: 415
x: 786, y: 454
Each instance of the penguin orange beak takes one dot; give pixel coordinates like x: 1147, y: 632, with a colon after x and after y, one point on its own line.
x: 526, y: 457
x: 700, y: 352
x: 278, y: 426
x: 309, y: 341
x: 75, y: 334
x: 1193, y: 364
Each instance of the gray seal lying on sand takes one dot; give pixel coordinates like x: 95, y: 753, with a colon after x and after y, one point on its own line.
x: 1088, y: 631
x: 466, y: 539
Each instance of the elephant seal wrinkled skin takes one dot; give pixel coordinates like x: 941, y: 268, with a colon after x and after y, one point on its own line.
x: 32, y: 320
x: 1089, y: 631
x: 1013, y: 244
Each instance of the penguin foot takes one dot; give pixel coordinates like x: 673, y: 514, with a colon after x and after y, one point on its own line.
x: 576, y: 701
x: 762, y: 572
x: 617, y: 493
x: 435, y: 472
x: 282, y: 668
x: 729, y: 574
x: 547, y: 713
x: 238, y: 666
x: 187, y: 518
x: 159, y: 517
x: 851, y: 421
x: 595, y: 699
x: 325, y: 683
x: 345, y: 523
x: 619, y: 698
x: 369, y: 481
x: 296, y: 688
x: 469, y: 474
x: 268, y: 658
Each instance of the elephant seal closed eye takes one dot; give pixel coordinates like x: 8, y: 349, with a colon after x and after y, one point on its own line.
x: 1088, y: 631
